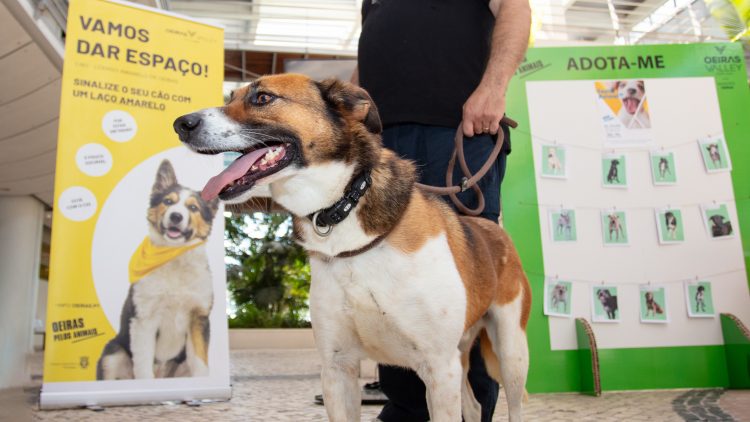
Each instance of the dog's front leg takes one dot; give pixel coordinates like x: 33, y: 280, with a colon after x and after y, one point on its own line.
x: 143, y: 346
x: 442, y: 379
x: 341, y: 392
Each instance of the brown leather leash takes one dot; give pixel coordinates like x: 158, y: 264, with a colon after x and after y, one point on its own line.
x: 469, y: 181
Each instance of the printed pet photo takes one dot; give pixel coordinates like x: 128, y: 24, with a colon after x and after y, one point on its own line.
x: 715, y: 154
x: 624, y: 109
x: 604, y: 304
x: 614, y: 228
x: 699, y: 299
x: 554, y: 161
x: 653, y: 304
x: 669, y: 225
x: 663, y: 168
x: 717, y: 220
x: 557, y: 294
x: 562, y: 224
x: 614, y: 171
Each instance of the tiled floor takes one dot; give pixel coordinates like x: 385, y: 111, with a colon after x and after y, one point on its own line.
x: 280, y: 386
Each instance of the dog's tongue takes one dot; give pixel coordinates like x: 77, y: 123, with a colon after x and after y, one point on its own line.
x: 631, y: 104
x: 236, y: 170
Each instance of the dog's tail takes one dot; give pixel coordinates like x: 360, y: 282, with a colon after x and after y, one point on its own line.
x: 492, y: 363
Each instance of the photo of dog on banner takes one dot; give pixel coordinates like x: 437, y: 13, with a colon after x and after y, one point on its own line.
x: 164, y: 328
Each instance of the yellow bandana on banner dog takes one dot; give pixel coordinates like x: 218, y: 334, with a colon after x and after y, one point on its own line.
x: 149, y: 257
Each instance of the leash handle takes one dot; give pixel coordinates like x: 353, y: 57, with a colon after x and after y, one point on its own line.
x: 469, y: 181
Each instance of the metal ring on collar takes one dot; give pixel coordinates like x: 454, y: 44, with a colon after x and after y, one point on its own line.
x: 317, y: 229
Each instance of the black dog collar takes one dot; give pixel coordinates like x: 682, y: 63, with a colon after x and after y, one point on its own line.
x: 324, y: 220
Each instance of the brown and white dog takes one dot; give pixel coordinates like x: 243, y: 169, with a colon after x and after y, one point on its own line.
x: 403, y: 279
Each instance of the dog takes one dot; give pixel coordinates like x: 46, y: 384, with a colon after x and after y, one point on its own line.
x: 564, y: 226
x: 401, y: 278
x: 664, y: 167
x: 609, y: 302
x: 670, y: 222
x: 560, y: 296
x: 714, y: 154
x: 613, y: 174
x: 652, y: 307
x: 700, y: 304
x: 615, y: 226
x: 632, y: 94
x: 164, y: 328
x: 553, y: 162
x: 719, y: 227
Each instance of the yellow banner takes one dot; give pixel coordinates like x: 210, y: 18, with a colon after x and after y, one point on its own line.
x: 129, y: 71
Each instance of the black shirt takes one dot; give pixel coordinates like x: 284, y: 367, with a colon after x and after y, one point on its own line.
x: 421, y: 59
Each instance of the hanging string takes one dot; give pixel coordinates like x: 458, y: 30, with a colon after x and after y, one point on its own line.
x: 716, y: 202
x: 605, y: 149
x: 650, y: 281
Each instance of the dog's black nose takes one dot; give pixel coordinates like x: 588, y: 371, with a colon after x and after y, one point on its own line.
x: 184, y: 125
x: 175, y: 217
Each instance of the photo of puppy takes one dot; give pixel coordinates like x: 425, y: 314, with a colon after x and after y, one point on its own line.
x: 612, y: 176
x: 557, y: 295
x: 719, y: 227
x: 663, y: 167
x: 605, y: 309
x: 700, y: 303
x: 614, y: 227
x: 670, y: 221
x: 715, y: 154
x: 632, y: 94
x: 614, y: 170
x: 562, y: 224
x: 670, y: 225
x: 652, y: 307
x: 553, y: 161
x: 699, y: 299
x: 717, y: 220
x: 653, y: 304
x: 164, y: 326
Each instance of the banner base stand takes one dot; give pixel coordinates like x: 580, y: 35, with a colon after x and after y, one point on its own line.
x: 50, y: 400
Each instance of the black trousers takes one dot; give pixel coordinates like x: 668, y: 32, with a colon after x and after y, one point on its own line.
x: 431, y: 147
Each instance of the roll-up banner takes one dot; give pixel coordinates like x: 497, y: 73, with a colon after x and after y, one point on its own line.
x: 136, y: 308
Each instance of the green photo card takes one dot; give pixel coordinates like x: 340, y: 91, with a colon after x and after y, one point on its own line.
x: 614, y: 171
x: 717, y: 220
x: 562, y: 223
x: 557, y: 295
x: 653, y: 301
x: 715, y: 154
x: 554, y: 161
x: 604, y: 306
x: 614, y: 228
x: 669, y: 224
x: 663, y: 168
x: 699, y: 299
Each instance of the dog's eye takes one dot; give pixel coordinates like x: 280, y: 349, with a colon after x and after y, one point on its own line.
x: 168, y: 201
x: 262, y: 98
x: 193, y: 208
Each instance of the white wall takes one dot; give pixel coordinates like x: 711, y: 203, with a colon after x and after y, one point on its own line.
x: 20, y: 246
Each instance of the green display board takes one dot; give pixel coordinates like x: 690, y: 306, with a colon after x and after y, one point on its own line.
x: 621, y: 368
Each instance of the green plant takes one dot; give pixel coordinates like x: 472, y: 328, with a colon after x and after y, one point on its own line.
x: 268, y: 276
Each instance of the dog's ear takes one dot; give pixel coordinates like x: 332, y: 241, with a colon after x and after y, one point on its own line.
x: 165, y: 176
x: 351, y: 101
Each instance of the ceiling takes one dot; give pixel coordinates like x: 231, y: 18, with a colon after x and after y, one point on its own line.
x: 261, y: 36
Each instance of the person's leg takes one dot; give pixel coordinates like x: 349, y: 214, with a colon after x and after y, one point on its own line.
x: 431, y: 147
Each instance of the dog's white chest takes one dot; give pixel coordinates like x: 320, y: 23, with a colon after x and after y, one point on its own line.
x: 400, y: 306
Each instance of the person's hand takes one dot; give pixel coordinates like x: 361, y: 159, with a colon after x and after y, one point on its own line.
x: 483, y: 110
